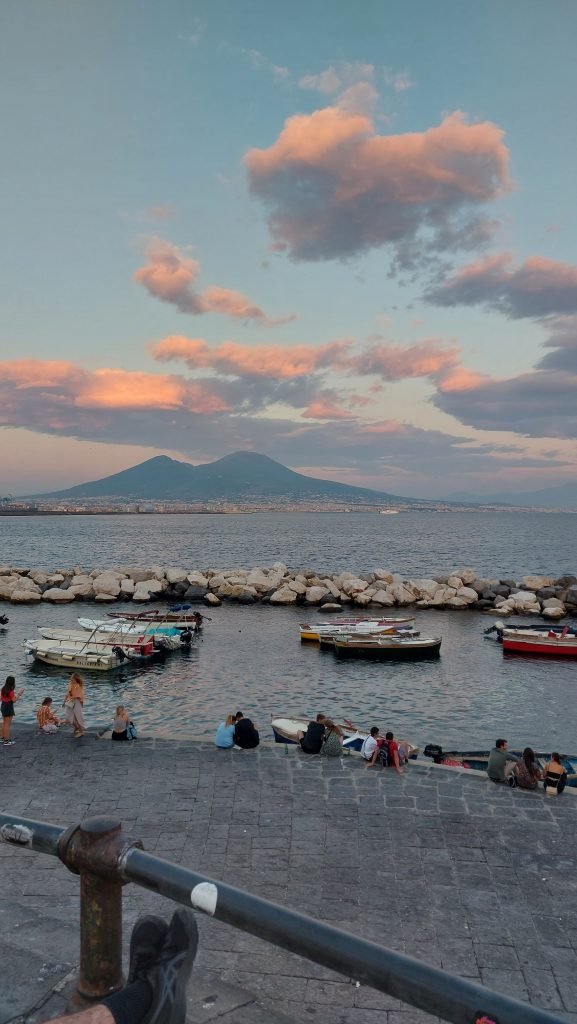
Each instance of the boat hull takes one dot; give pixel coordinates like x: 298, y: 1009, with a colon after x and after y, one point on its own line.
x: 311, y: 632
x: 477, y: 760
x: 555, y: 647
x: 398, y: 650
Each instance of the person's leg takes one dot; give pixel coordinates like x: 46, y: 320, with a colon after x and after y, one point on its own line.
x: 509, y: 769
x: 161, y: 960
x: 6, y: 726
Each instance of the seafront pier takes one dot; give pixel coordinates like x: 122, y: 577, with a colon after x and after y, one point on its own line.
x: 458, y: 589
x: 442, y: 865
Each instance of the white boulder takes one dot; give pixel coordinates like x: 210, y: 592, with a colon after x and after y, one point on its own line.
x: 425, y: 588
x: 454, y: 581
x: 553, y: 612
x: 299, y: 588
x: 175, y: 575
x: 196, y: 579
x: 57, y: 596
x: 466, y: 575
x: 127, y: 586
x: 468, y: 595
x: 212, y: 600
x: 383, y: 598
x: 537, y: 582
x: 283, y: 596
x: 25, y: 596
x: 401, y: 594
x: 314, y: 595
x: 354, y: 586
x: 456, y: 602
x: 384, y: 575
x: 108, y: 583
x: 84, y: 590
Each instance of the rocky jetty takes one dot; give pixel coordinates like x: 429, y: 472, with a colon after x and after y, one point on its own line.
x: 380, y: 589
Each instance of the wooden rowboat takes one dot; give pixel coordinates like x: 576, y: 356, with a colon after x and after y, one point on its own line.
x: 312, y: 631
x: 392, y: 648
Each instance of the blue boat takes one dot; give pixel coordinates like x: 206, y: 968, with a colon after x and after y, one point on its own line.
x: 477, y: 760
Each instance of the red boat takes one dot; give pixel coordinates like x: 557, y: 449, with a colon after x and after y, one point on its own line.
x: 532, y: 641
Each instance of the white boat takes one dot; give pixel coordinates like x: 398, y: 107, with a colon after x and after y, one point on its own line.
x: 286, y: 730
x: 78, y: 656
x: 389, y: 624
x: 389, y: 512
x: 108, y: 638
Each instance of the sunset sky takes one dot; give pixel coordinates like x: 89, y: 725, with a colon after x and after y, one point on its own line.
x: 342, y: 235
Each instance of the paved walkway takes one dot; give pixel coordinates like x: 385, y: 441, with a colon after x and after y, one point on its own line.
x: 475, y: 878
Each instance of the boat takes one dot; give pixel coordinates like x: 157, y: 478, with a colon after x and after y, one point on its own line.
x: 326, y: 639
x: 285, y: 730
x: 536, y: 638
x: 477, y: 760
x: 389, y: 512
x: 174, y: 637
x: 87, y: 656
x: 311, y: 631
x: 547, y: 642
x: 392, y: 648
x: 130, y: 641
x: 177, y: 616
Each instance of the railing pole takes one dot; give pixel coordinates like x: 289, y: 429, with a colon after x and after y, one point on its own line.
x: 93, y: 850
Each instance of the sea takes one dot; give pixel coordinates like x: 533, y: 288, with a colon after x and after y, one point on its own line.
x: 250, y: 658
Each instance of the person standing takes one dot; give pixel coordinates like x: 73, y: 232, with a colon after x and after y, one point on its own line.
x: 9, y: 698
x: 74, y: 704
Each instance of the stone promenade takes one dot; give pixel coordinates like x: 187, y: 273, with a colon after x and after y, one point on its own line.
x: 475, y: 878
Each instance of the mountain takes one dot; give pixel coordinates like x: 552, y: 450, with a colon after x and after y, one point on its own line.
x: 240, y: 477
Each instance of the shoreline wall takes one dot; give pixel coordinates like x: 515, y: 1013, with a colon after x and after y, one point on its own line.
x: 553, y: 598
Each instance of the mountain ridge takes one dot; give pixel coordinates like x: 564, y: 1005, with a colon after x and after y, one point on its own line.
x: 239, y: 476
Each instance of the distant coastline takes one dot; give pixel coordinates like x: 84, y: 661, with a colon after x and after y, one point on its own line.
x: 7, y: 511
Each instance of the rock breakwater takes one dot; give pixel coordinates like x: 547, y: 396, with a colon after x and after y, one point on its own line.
x: 380, y: 589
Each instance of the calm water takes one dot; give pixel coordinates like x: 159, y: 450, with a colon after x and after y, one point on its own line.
x: 251, y: 657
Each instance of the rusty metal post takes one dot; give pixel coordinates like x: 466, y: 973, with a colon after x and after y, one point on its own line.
x: 93, y: 850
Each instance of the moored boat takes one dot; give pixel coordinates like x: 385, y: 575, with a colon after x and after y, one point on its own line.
x: 477, y: 760
x: 179, y: 616
x: 547, y: 642
x: 131, y: 641
x: 313, y: 630
x: 392, y: 648
x: 90, y: 657
x: 285, y: 730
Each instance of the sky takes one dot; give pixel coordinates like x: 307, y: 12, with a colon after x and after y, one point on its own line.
x: 340, y: 235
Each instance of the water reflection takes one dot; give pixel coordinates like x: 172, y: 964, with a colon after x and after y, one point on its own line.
x: 251, y: 658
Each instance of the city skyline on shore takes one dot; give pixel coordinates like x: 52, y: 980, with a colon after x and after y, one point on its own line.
x: 335, y: 241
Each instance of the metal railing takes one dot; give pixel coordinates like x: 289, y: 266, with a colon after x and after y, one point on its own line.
x: 98, y: 851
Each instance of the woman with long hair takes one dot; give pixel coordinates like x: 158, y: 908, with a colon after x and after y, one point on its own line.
x: 74, y: 704
x: 8, y: 700
x: 333, y: 741
x: 224, y: 737
x: 555, y: 776
x: 527, y: 771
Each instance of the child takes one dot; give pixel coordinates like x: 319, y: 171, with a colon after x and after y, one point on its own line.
x: 47, y: 720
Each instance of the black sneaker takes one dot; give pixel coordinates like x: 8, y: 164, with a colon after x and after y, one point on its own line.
x: 146, y: 944
x: 169, y: 975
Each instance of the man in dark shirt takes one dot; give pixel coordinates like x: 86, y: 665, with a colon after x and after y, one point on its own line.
x: 245, y: 734
x: 311, y: 741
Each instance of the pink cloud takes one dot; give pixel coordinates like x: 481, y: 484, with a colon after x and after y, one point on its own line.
x: 428, y: 358
x: 393, y: 362
x: 64, y: 386
x: 538, y: 287
x: 333, y: 187
x: 284, y: 363
x: 170, y: 276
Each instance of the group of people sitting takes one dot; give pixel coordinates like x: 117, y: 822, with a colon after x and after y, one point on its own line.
x: 123, y: 728
x: 524, y: 772
x: 237, y: 731
x: 386, y: 752
x: 325, y: 737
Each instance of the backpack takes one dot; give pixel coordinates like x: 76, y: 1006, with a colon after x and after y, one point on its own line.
x: 131, y: 731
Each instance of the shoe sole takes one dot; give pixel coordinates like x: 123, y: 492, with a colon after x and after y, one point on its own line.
x: 182, y: 933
